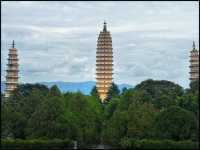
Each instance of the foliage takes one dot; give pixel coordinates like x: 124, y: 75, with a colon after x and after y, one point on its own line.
x: 160, y: 93
x: 94, y: 92
x: 135, y: 122
x: 35, y: 144
x: 48, y: 120
x: 140, y: 117
x: 194, y: 87
x: 18, y: 109
x: 190, y: 99
x: 145, y: 144
x: 140, y: 122
x: 189, y: 102
x: 113, y: 91
x: 176, y: 123
x: 84, y: 112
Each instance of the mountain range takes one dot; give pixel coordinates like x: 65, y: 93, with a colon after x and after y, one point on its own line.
x: 84, y: 87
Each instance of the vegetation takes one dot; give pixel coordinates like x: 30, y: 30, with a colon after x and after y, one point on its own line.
x: 154, y: 114
x: 145, y: 144
x: 36, y: 144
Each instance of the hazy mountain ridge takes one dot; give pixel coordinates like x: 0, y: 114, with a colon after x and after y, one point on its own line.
x: 84, y: 87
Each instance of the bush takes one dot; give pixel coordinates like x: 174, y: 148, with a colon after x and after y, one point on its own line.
x: 128, y: 143
x: 177, y: 124
x: 36, y: 144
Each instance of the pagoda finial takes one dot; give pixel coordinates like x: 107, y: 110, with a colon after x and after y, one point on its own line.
x: 193, y: 45
x: 13, y: 44
x: 104, y: 26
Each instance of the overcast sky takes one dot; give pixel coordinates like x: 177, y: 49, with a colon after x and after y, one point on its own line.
x: 57, y: 40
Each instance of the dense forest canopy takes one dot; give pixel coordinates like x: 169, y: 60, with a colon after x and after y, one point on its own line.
x: 154, y: 109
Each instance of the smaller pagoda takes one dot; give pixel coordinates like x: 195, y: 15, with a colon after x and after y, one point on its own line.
x: 194, y: 64
x: 12, y: 71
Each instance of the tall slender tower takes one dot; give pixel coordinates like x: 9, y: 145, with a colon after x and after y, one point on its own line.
x: 12, y: 71
x: 104, y: 63
x: 194, y: 64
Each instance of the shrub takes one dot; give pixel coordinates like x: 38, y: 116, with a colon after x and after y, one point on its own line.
x: 128, y: 143
x: 36, y: 144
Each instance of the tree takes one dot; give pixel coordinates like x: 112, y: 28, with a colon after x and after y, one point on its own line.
x: 124, y: 90
x: 141, y: 120
x: 54, y: 91
x: 190, y: 99
x: 21, y: 105
x: 157, y: 89
x: 110, y: 107
x: 194, y: 87
x: 176, y: 123
x: 48, y: 119
x: 113, y: 91
x: 154, y: 109
x: 132, y: 96
x: 164, y: 101
x: 115, y: 128
x: 85, y: 113
x: 94, y: 92
x: 6, y: 120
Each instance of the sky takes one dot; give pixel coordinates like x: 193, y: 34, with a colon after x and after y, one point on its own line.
x: 57, y: 41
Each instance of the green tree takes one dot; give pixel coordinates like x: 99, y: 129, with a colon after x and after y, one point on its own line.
x: 156, y: 89
x: 194, y: 87
x: 141, y: 120
x: 48, y: 119
x: 115, y: 128
x: 176, y: 123
x: 54, y: 91
x: 94, y: 92
x: 124, y: 90
x: 113, y: 91
x: 189, y: 102
x: 85, y: 113
x: 21, y: 105
x: 164, y: 101
x: 6, y: 120
x: 110, y: 107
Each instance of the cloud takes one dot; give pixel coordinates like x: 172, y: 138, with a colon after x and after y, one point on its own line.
x: 150, y: 39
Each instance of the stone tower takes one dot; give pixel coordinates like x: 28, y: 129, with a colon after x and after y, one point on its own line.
x: 12, y: 71
x: 194, y: 64
x: 104, y: 63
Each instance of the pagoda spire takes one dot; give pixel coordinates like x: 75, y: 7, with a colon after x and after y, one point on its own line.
x: 104, y: 26
x: 193, y: 45
x: 13, y: 44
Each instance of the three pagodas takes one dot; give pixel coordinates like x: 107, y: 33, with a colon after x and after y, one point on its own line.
x: 104, y: 65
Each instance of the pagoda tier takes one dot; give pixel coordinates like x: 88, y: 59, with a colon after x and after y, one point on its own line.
x: 104, y: 63
x: 194, y: 64
x: 104, y: 55
x: 99, y: 69
x: 12, y: 71
x: 107, y: 60
x: 104, y: 52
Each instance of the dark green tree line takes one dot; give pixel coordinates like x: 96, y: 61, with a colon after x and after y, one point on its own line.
x: 152, y: 110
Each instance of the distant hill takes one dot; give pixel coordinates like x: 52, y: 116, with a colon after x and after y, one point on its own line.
x: 84, y: 87
x: 3, y: 86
